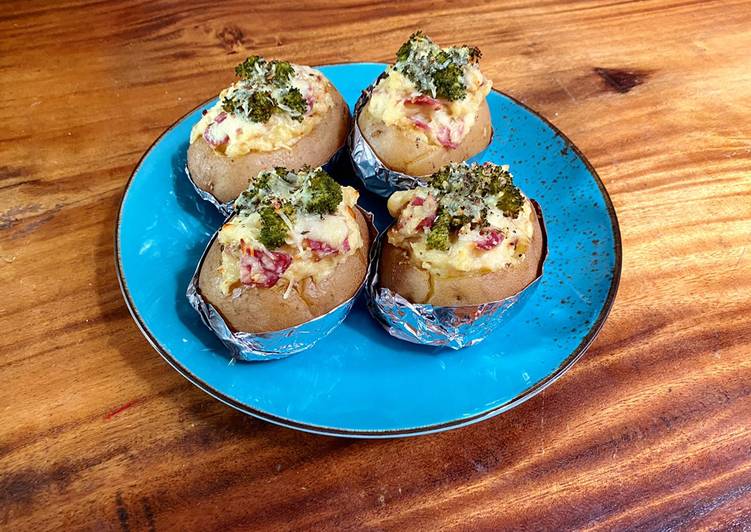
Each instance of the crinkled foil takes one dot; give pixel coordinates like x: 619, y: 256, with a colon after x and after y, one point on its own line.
x: 453, y: 327
x: 226, y: 208
x: 367, y: 166
x: 276, y: 344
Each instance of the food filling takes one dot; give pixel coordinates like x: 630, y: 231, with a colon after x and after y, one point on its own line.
x: 272, y: 106
x: 437, y: 91
x: 288, y: 226
x: 470, y: 219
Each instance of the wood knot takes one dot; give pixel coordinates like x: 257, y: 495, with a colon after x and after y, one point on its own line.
x: 621, y: 80
x: 231, y: 37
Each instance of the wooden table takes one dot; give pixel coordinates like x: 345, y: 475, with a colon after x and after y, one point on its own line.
x: 651, y: 429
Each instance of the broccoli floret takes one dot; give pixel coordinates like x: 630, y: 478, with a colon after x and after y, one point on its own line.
x: 229, y: 105
x: 405, y: 49
x: 511, y: 201
x: 323, y: 195
x: 441, y: 178
x: 295, y: 102
x: 449, y: 83
x: 260, y: 106
x: 246, y: 69
x: 438, y: 237
x: 273, y: 229
x: 282, y: 72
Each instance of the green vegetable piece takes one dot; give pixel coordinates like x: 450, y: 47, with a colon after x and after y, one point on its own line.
x: 511, y: 201
x: 438, y: 237
x: 260, y: 106
x: 273, y: 229
x: 246, y: 69
x: 295, y: 102
x: 229, y: 105
x: 449, y: 83
x: 282, y: 72
x: 324, y: 194
x: 406, y: 49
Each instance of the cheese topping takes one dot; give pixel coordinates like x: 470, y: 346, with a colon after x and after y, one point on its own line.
x: 472, y: 219
x: 261, y: 113
x: 436, y: 91
x: 303, y: 244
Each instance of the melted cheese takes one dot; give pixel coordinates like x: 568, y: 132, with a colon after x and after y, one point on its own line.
x: 387, y: 104
x: 278, y: 132
x: 463, y: 255
x: 332, y: 229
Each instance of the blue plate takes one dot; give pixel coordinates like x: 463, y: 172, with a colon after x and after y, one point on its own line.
x: 360, y: 381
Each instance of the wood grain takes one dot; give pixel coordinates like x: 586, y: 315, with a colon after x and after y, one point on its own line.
x: 651, y: 430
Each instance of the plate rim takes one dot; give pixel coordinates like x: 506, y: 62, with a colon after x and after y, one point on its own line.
x: 527, y: 394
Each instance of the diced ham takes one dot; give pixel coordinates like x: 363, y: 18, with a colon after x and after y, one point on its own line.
x: 310, y: 100
x: 213, y: 137
x: 420, y: 123
x: 221, y: 117
x: 444, y: 137
x: 420, y: 213
x: 262, y: 269
x: 423, y: 100
x: 345, y: 245
x: 489, y: 238
x: 426, y: 222
x: 320, y: 249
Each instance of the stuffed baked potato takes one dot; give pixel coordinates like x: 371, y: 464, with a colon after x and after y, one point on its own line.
x: 295, y: 248
x: 471, y: 237
x: 276, y: 114
x: 428, y: 109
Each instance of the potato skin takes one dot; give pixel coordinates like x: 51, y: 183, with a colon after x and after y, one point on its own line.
x: 258, y: 310
x: 399, y: 274
x: 226, y: 177
x: 409, y: 153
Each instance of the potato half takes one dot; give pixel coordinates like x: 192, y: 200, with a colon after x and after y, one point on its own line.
x: 226, y: 177
x: 409, y: 152
x: 258, y: 310
x: 416, y: 285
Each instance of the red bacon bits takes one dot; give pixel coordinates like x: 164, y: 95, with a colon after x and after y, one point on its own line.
x: 310, y: 100
x: 426, y: 223
x: 262, y: 269
x: 213, y: 137
x: 221, y: 117
x: 423, y: 209
x: 423, y: 100
x: 420, y: 124
x: 444, y: 137
x: 489, y: 238
x: 321, y: 249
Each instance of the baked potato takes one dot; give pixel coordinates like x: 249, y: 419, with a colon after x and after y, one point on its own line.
x: 276, y: 114
x: 471, y: 237
x: 296, y: 247
x: 428, y: 109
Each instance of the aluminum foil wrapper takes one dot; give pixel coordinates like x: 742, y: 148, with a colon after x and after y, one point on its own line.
x: 226, y: 208
x: 375, y: 175
x: 453, y: 327
x: 367, y: 166
x: 276, y: 344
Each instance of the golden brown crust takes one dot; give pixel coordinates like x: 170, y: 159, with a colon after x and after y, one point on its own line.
x: 400, y: 275
x: 258, y: 310
x: 226, y: 177
x: 409, y: 153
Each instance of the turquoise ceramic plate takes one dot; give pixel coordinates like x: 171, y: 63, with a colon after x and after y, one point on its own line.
x: 359, y: 381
